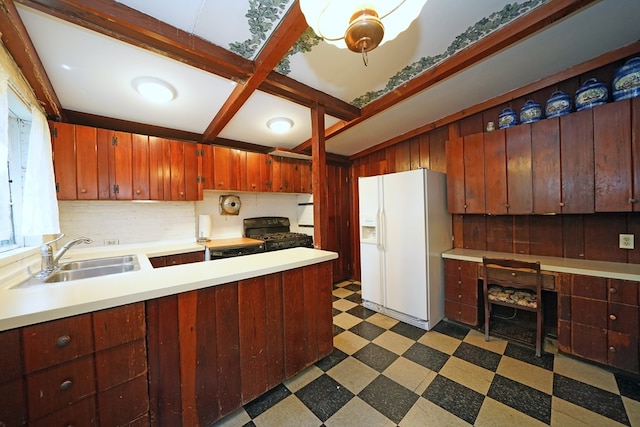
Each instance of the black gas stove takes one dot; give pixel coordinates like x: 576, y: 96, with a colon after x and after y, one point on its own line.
x: 274, y: 232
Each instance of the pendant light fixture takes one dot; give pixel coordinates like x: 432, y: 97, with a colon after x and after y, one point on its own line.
x: 360, y: 25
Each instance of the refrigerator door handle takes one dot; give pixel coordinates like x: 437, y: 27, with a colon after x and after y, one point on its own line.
x: 382, y: 230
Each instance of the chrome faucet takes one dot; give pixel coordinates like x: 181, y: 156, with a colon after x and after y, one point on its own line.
x: 49, y: 261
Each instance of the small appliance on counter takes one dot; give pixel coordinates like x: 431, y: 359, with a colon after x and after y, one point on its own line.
x: 275, y: 232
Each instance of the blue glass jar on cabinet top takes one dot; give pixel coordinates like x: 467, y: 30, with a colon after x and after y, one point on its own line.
x: 530, y: 112
x: 592, y: 93
x: 558, y: 105
x: 507, y: 118
x: 626, y: 82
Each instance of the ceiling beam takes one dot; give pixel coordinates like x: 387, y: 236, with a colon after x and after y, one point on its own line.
x: 534, y: 21
x: 18, y: 43
x: 285, y: 35
x: 128, y: 25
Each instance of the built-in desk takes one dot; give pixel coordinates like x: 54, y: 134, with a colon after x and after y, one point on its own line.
x: 597, y: 302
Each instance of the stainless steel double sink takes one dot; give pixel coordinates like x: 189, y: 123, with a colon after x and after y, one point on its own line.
x: 85, y: 269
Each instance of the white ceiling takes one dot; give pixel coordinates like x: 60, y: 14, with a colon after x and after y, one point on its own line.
x: 92, y: 73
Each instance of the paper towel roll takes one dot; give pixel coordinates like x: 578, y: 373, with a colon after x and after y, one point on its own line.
x: 204, y: 227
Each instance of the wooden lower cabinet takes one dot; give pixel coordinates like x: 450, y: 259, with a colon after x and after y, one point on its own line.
x: 214, y: 349
x: 461, y: 291
x: 177, y: 259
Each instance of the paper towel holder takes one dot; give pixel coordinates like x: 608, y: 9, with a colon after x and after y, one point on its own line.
x: 229, y: 205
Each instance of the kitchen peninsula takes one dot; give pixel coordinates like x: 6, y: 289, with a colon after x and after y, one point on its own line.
x: 183, y: 345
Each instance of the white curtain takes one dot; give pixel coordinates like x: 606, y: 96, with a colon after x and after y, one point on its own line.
x: 40, y: 206
x: 5, y: 207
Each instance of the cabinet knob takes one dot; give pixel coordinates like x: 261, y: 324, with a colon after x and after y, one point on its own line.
x: 633, y: 200
x: 613, y: 317
x: 513, y: 274
x: 561, y: 204
x: 507, y: 206
x: 138, y: 191
x: 612, y: 290
x: 182, y: 194
x: 63, y: 340
x: 66, y: 385
x: 459, y: 268
x: 83, y: 190
x: 459, y: 282
x: 459, y: 296
x: 612, y: 349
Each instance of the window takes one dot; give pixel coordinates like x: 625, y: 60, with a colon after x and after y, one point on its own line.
x: 19, y: 126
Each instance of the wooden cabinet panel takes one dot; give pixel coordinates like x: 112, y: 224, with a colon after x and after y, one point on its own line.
x: 635, y: 151
x: 87, y: 162
x: 266, y: 173
x: 455, y: 175
x: 178, y: 191
x: 238, y: 169
x: 191, y: 171
x: 222, y: 167
x: 275, y: 330
x: 82, y: 413
x: 206, y: 175
x: 306, y: 180
x: 61, y: 385
x: 103, y: 145
x: 13, y: 411
x: 118, y: 325
x: 519, y: 170
x: 157, y: 169
x: 623, y: 318
x: 57, y: 341
x: 623, y: 291
x: 495, y: 170
x: 140, y: 167
x: 124, y: 403
x: 474, y: 184
x: 545, y: 166
x: 276, y: 171
x: 623, y: 351
x: 588, y: 311
x: 253, y: 171
x: 589, y: 342
x: 122, y: 173
x: 117, y: 365
x: 589, y: 287
x: 577, y: 168
x: 461, y: 291
x: 227, y: 338
x: 294, y: 333
x: 613, y: 157
x: 64, y: 160
x: 10, y: 357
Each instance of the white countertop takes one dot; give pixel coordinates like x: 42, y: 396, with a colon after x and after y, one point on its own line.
x: 615, y: 270
x: 21, y: 306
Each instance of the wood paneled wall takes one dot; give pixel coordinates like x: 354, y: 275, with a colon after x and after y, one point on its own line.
x: 570, y: 236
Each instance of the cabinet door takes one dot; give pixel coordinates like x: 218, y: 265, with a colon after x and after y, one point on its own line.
x: 635, y: 151
x: 266, y: 173
x: 519, y: 172
x: 613, y: 159
x: 306, y: 177
x: 577, y: 162
x: 254, y: 161
x: 545, y: 166
x: 120, y: 166
x: 64, y: 160
x: 87, y: 162
x: 140, y: 168
x: 474, y: 184
x: 455, y: 175
x: 191, y: 171
x: 495, y: 170
x: 13, y: 410
x: 276, y: 167
x: 177, y: 171
x: 238, y: 169
x: 222, y: 167
x: 206, y: 175
x: 156, y: 168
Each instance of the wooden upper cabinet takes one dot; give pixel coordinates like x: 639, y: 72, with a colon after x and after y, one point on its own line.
x: 156, y: 168
x: 140, y: 168
x: 613, y: 157
x: 191, y: 171
x: 455, y: 175
x: 206, y: 175
x: 238, y: 169
x: 266, y: 173
x: 545, y: 166
x: 178, y: 191
x: 577, y: 162
x: 306, y: 185
x: 254, y: 162
x: 495, y: 171
x: 474, y: 184
x: 119, y: 149
x: 519, y: 172
x: 64, y: 160
x: 222, y: 167
x: 86, y: 162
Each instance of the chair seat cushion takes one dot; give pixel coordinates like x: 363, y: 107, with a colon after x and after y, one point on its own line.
x: 520, y: 297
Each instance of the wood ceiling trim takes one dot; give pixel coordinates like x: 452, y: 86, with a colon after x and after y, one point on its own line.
x: 285, y: 35
x: 510, y: 34
x: 128, y: 25
x: 19, y: 45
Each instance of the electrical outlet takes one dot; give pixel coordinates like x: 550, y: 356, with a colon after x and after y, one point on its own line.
x: 626, y: 241
x: 111, y: 242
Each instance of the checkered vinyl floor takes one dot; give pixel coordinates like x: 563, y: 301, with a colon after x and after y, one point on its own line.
x: 386, y: 373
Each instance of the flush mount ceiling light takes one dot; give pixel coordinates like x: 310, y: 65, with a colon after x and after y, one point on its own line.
x: 360, y: 25
x: 280, y: 124
x: 154, y: 89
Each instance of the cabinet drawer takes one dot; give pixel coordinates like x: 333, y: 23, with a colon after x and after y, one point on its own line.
x: 50, y: 343
x: 623, y: 291
x: 54, y: 388
x: 589, y: 287
x: 125, y: 403
x: 82, y: 413
x: 189, y: 257
x: 623, y: 318
x: 118, y: 325
x: 119, y: 364
x: 512, y: 276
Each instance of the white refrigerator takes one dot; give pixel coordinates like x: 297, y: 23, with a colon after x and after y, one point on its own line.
x: 404, y: 229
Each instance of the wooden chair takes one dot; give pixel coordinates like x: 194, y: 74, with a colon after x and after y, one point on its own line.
x: 516, y: 284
